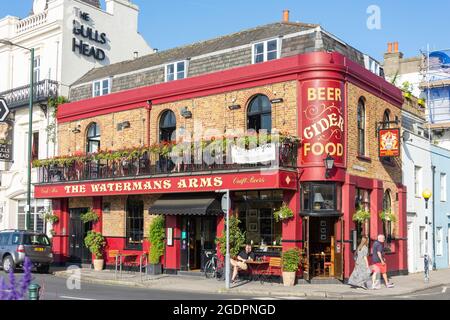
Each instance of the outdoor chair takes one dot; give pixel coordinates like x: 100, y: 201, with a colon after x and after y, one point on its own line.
x: 274, y: 268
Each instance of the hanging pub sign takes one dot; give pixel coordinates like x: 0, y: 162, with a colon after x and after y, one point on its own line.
x: 6, y: 140
x: 323, y: 121
x: 389, y: 142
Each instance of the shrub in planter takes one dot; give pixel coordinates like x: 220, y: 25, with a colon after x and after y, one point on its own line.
x: 237, y: 238
x: 290, y: 264
x: 95, y: 242
x: 156, y: 236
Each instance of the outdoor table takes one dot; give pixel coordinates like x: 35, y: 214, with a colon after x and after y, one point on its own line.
x: 255, y: 266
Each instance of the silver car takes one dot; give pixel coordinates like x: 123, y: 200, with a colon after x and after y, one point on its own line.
x: 15, y: 245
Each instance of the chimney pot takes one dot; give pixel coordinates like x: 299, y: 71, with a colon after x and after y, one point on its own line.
x: 396, y: 47
x: 389, y: 47
x: 286, y: 16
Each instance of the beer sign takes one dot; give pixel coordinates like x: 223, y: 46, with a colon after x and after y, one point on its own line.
x: 389, y: 142
x: 323, y: 121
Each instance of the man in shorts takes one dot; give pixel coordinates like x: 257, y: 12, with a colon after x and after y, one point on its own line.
x: 379, y: 261
x: 240, y: 263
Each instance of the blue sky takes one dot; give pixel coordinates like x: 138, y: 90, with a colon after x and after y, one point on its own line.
x: 170, y: 23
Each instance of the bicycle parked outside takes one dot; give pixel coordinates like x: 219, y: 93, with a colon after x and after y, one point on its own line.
x: 214, y: 267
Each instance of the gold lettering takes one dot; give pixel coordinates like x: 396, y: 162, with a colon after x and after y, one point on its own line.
x: 182, y: 184
x: 218, y: 181
x: 167, y: 184
x: 127, y: 186
x: 137, y: 185
x: 147, y: 186
x: 193, y: 183
x: 119, y: 187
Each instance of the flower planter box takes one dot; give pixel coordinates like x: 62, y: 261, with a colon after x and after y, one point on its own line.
x: 154, y: 269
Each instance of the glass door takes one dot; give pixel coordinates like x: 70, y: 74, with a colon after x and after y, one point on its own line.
x: 306, y: 250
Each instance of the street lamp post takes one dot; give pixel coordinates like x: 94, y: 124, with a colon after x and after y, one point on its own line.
x: 30, y: 128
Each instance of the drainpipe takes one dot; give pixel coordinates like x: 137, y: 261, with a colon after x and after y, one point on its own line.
x: 433, y: 168
x: 149, y: 109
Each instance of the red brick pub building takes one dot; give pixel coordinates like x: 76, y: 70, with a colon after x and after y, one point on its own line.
x: 332, y: 104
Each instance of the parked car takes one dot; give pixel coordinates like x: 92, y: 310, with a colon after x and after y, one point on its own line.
x: 15, y: 245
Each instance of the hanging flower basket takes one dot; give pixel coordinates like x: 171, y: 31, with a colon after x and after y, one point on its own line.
x: 283, y: 213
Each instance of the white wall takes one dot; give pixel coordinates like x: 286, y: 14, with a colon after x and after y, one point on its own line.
x: 416, y: 152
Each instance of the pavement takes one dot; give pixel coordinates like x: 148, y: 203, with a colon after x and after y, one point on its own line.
x: 404, y: 285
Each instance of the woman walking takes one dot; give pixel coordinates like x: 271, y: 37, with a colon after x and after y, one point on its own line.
x: 361, y: 273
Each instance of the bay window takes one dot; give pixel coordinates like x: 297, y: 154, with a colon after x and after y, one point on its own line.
x: 320, y: 197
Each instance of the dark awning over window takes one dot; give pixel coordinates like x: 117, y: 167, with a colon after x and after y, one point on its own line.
x: 187, y: 204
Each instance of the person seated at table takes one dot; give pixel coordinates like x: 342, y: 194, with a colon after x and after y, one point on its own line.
x: 240, y: 263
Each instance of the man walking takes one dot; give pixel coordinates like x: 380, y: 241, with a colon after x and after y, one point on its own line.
x: 379, y: 262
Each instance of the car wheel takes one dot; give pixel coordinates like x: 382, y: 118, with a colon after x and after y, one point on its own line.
x: 43, y: 269
x: 8, y: 264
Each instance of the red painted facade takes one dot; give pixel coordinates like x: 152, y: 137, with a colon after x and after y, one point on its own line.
x: 322, y: 124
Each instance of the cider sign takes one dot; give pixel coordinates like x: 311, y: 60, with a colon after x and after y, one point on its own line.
x: 323, y: 121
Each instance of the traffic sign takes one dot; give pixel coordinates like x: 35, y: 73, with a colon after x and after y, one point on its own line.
x: 4, y: 110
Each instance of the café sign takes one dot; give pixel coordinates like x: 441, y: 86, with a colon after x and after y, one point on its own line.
x: 323, y: 121
x: 389, y: 142
x: 83, y: 32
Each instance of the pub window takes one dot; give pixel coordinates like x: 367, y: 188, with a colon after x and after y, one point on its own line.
x: 319, y: 197
x: 101, y: 87
x: 255, y: 211
x: 176, y: 71
x: 259, y: 114
x: 167, y: 126
x: 361, y: 127
x: 387, y: 201
x: 93, y: 138
x: 386, y: 119
x: 35, y: 146
x: 266, y: 51
x: 362, y: 201
x: 135, y: 223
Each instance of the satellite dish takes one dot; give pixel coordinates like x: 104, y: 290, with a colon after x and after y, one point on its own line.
x: 39, y: 6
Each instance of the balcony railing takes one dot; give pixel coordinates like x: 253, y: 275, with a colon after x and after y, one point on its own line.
x: 149, y: 164
x: 20, y: 96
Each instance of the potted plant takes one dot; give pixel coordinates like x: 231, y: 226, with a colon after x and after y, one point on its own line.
x: 421, y: 102
x: 362, y: 217
x: 407, y: 90
x: 237, y: 238
x: 95, y: 242
x: 89, y: 216
x: 290, y: 264
x: 51, y: 218
x: 156, y: 236
x: 283, y: 213
x: 388, y: 218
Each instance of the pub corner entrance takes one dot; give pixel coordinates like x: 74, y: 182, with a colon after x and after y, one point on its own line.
x: 323, y: 247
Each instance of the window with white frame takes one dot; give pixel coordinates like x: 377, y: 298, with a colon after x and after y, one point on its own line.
x: 423, y: 241
x: 266, y: 51
x: 443, y: 187
x: 417, y: 180
x: 176, y: 71
x: 37, y: 69
x: 439, y: 240
x: 37, y: 209
x: 101, y: 87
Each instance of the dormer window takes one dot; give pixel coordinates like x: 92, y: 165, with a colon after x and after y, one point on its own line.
x: 176, y: 71
x: 266, y: 51
x: 101, y: 87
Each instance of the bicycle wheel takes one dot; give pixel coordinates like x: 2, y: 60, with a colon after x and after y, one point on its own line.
x: 220, y: 271
x: 209, y: 270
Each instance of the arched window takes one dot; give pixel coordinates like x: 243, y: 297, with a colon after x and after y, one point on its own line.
x: 93, y: 138
x: 387, y: 201
x: 259, y: 114
x: 361, y: 127
x: 167, y: 126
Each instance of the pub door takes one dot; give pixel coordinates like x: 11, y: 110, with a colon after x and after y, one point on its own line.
x: 78, y: 253
x: 197, y: 235
x: 338, y: 249
x: 306, y: 257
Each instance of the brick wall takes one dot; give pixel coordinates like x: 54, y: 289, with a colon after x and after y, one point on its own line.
x: 111, y: 138
x: 372, y: 167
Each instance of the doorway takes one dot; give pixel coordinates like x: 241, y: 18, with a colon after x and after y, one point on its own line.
x: 78, y: 253
x: 411, y: 255
x: 324, y: 247
x: 198, y: 235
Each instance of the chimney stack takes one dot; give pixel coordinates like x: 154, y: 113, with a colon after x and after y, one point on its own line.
x: 286, y: 16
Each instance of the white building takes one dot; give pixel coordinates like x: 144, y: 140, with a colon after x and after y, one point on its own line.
x: 417, y: 177
x: 70, y: 37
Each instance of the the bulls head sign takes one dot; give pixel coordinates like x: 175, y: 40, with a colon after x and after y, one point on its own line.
x: 323, y: 121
